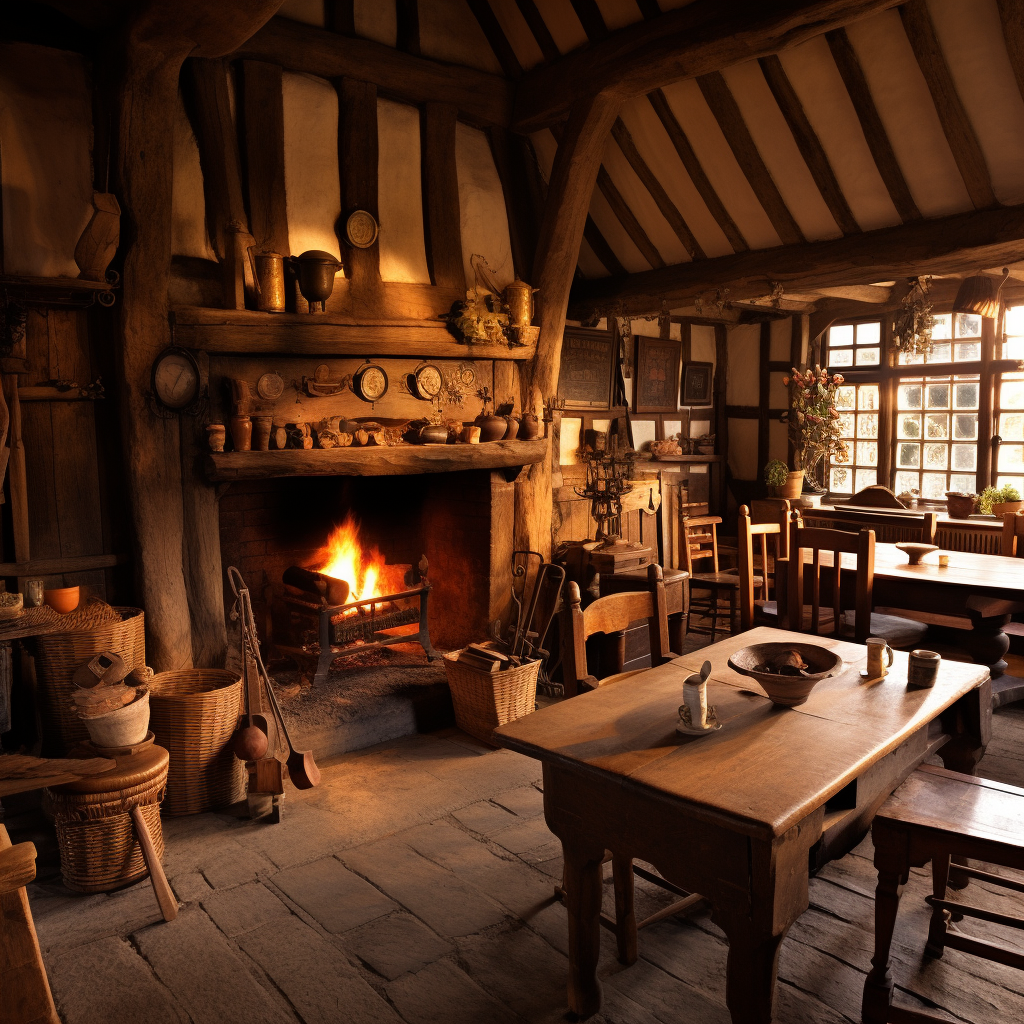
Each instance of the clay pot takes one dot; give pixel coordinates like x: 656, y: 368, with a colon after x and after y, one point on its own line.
x: 959, y: 506
x: 492, y: 428
x: 513, y: 428
x: 529, y: 427
x: 261, y: 433
x: 216, y: 435
x: 791, y: 488
x: 1000, y: 508
x: 241, y: 433
x: 62, y: 599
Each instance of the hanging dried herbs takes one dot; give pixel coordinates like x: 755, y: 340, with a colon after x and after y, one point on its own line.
x: 912, y: 326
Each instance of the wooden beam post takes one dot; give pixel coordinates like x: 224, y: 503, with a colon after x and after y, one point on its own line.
x: 763, y: 392
x: 572, y: 182
x: 441, y: 183
x: 720, y: 391
x: 798, y: 341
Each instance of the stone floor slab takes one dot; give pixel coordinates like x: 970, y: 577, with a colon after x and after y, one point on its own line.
x: 526, y: 801
x: 396, y: 944
x: 235, y: 864
x: 243, y: 908
x: 442, y: 994
x: 484, y: 817
x: 524, y: 836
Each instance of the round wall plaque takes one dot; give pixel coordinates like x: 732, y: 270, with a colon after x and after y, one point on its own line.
x: 270, y: 387
x: 370, y: 382
x: 361, y: 229
x: 428, y: 381
x: 176, y: 378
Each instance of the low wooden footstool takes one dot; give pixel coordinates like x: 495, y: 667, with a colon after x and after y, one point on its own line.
x: 108, y: 826
x: 939, y: 816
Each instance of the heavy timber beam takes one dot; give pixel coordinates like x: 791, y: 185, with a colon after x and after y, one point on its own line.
x: 154, y: 46
x: 703, y: 37
x: 479, y: 97
x: 975, y: 240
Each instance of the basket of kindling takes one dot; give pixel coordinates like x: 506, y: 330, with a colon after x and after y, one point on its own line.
x: 193, y: 713
x: 484, y: 699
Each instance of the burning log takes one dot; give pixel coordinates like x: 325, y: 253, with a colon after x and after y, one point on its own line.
x: 333, y: 591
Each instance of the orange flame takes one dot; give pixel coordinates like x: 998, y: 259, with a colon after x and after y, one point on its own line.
x: 344, y: 559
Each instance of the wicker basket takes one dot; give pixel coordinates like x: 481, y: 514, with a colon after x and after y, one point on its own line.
x: 90, y: 631
x: 99, y: 850
x: 485, y: 700
x: 194, y: 713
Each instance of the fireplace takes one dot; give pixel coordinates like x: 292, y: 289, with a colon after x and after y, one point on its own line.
x: 460, y: 523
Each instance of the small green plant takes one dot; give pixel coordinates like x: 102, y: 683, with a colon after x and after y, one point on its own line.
x: 996, y: 496
x: 776, y: 473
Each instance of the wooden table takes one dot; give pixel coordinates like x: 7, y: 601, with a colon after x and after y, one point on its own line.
x: 740, y: 814
x: 986, y: 589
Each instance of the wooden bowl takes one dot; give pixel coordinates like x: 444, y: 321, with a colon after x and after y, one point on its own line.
x: 62, y: 599
x: 915, y: 552
x: 787, y: 691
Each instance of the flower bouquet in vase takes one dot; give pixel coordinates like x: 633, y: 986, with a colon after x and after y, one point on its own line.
x: 817, y: 421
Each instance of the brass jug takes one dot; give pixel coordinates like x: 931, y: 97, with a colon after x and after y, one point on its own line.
x: 268, y: 278
x: 519, y: 299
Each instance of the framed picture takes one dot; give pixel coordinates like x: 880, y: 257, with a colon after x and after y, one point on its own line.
x: 585, y: 376
x: 657, y: 375
x: 697, y: 384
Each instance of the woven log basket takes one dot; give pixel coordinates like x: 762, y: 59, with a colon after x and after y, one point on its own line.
x: 194, y: 713
x: 485, y: 700
x: 91, y: 630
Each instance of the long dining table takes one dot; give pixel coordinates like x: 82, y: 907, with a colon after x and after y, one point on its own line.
x: 739, y: 815
x: 984, y: 589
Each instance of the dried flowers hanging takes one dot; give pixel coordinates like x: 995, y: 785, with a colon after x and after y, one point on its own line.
x: 912, y: 327
x: 814, y: 407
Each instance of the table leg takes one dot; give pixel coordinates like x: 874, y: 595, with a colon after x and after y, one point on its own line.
x: 987, y: 643
x: 625, y: 913
x: 751, y: 970
x: 582, y: 875
x: 892, y: 875
x: 969, y: 724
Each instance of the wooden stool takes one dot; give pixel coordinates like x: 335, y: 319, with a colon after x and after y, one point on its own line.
x: 939, y: 815
x: 108, y: 826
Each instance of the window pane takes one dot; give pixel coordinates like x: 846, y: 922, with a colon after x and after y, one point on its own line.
x: 933, y: 485
x: 866, y: 478
x: 943, y: 327
x: 968, y: 350
x: 1014, y: 348
x: 1011, y: 458
x: 906, y: 359
x: 908, y: 425
x: 940, y: 353
x: 963, y: 483
x: 840, y: 357
x: 965, y: 396
x: 936, y: 456
x: 840, y: 336
x: 908, y: 456
x: 1011, y: 426
x: 936, y: 426
x: 909, y: 396
x: 937, y: 396
x: 1013, y: 481
x: 965, y: 426
x: 869, y: 334
x: 867, y: 397
x: 842, y: 480
x: 846, y: 397
x: 867, y: 356
x: 867, y: 424
x: 866, y: 453
x: 846, y: 424
x: 1011, y: 394
x: 907, y: 482
x: 1015, y: 320
x: 968, y: 325
x: 965, y: 456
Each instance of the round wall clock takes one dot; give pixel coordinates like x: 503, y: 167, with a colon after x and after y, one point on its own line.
x: 176, y: 378
x: 270, y: 387
x: 361, y: 229
x: 370, y: 382
x: 428, y: 381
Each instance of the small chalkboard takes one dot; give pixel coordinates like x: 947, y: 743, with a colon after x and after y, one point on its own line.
x: 585, y: 377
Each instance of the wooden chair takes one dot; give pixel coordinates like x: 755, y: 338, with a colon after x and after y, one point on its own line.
x: 1013, y: 535
x: 890, y: 527
x: 859, y: 622
x: 611, y: 615
x: 939, y: 816
x: 700, y: 545
x: 759, y: 605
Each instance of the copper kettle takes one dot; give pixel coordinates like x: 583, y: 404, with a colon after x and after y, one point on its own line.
x: 268, y: 279
x: 316, y: 270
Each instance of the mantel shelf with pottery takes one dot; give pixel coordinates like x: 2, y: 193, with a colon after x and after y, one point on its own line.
x: 252, y: 331
x: 374, y: 460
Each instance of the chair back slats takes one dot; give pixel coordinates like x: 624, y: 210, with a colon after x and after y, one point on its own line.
x: 889, y: 527
x: 700, y: 542
x: 772, y: 539
x: 1013, y: 535
x: 615, y: 612
x: 837, y: 543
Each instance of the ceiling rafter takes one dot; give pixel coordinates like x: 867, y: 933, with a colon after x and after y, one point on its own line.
x: 539, y: 27
x: 496, y: 38
x: 1011, y: 15
x: 628, y: 220
x: 956, y: 125
x: 602, y: 250
x: 727, y: 113
x: 871, y: 124
x: 808, y: 143
x: 700, y: 180
x: 974, y: 240
x: 699, y: 38
x: 591, y: 19
x: 668, y: 209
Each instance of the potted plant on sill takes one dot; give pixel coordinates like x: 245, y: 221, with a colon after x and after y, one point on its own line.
x: 997, y: 501
x: 781, y: 481
x: 814, y: 408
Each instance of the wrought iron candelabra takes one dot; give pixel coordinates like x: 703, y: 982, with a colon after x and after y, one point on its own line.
x: 609, y: 470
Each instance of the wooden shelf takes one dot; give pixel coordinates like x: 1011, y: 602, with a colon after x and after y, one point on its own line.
x: 688, y: 458
x: 57, y: 566
x: 246, y: 331
x: 374, y: 460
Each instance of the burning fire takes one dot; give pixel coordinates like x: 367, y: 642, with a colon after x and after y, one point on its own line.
x: 344, y: 559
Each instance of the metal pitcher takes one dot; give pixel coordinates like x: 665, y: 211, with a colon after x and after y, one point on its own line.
x: 519, y: 299
x: 268, y: 277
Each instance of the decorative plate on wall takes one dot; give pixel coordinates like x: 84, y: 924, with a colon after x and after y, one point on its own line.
x: 370, y: 382
x: 428, y: 381
x: 361, y: 229
x: 270, y: 387
x: 176, y: 378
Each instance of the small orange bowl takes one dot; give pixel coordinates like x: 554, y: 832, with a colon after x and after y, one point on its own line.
x: 62, y: 599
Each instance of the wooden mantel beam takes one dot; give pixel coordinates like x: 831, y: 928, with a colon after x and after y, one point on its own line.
x: 974, y: 240
x: 703, y: 37
x: 479, y: 97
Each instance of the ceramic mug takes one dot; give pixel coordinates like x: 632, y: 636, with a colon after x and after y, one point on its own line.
x: 878, y: 664
x: 923, y: 669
